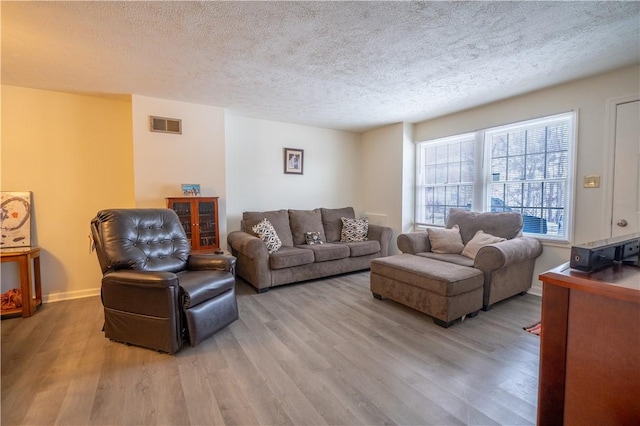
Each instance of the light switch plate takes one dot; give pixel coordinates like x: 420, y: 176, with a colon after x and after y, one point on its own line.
x: 592, y: 181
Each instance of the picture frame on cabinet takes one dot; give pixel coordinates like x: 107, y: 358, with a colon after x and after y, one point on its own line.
x: 191, y: 189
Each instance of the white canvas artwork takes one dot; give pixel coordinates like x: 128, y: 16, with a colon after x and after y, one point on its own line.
x: 15, y: 219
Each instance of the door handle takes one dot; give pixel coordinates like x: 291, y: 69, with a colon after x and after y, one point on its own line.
x: 622, y: 223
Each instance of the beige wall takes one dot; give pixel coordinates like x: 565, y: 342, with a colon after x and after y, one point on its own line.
x: 77, y: 165
x: 75, y: 154
x: 79, y: 154
x: 587, y: 96
x: 385, y: 162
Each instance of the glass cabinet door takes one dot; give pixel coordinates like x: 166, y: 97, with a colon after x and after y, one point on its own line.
x: 183, y: 211
x: 199, y: 218
x: 207, y: 224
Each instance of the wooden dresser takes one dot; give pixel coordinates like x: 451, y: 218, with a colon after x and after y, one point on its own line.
x: 590, y: 347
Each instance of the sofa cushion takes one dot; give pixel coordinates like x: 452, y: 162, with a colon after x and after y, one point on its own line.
x: 278, y: 218
x: 331, y: 220
x: 480, y: 240
x: 456, y: 259
x: 264, y: 230
x: 501, y: 224
x: 328, y: 251
x: 363, y: 248
x: 303, y: 221
x: 354, y: 229
x: 288, y: 257
x: 445, y: 240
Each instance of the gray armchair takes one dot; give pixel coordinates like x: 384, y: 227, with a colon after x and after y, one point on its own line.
x: 507, y: 266
x: 154, y: 292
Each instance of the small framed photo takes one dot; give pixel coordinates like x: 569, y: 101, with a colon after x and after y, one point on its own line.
x: 191, y: 189
x: 293, y: 161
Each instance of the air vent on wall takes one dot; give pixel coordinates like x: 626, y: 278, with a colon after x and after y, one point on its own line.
x: 166, y: 125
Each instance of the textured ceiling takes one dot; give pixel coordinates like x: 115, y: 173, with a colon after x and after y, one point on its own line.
x: 342, y: 65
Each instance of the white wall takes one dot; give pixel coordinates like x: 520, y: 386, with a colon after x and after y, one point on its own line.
x: 255, y: 167
x: 589, y: 97
x: 162, y: 161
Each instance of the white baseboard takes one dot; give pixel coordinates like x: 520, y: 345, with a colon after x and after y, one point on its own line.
x: 536, y: 291
x: 70, y: 295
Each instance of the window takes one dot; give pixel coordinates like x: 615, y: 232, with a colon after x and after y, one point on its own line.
x: 525, y: 167
x: 447, y: 175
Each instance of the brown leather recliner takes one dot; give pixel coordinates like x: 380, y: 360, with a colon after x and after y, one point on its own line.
x: 154, y: 292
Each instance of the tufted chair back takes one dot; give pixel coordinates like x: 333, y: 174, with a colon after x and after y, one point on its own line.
x: 140, y: 239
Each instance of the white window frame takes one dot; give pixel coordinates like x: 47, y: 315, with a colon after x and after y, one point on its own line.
x: 482, y: 182
x: 420, y: 167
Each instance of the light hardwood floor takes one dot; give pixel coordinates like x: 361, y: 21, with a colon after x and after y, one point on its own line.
x: 324, y: 352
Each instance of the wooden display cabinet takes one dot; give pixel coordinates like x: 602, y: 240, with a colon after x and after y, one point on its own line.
x: 199, y: 218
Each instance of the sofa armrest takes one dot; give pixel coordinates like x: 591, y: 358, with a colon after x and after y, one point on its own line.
x: 249, y: 245
x: 414, y: 242
x: 219, y: 262
x: 383, y: 235
x: 505, y: 253
x: 253, y: 258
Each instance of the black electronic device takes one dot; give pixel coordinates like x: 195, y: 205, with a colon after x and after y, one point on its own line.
x: 599, y: 254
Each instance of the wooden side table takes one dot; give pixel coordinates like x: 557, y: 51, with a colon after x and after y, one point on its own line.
x: 24, y: 256
x: 590, y: 341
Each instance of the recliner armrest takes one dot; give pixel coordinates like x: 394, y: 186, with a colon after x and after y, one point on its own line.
x: 218, y: 262
x: 498, y: 255
x: 153, y: 294
x: 414, y: 242
x: 145, y: 279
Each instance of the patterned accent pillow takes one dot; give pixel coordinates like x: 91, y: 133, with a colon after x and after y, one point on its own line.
x: 313, y: 238
x: 354, y: 229
x: 267, y: 233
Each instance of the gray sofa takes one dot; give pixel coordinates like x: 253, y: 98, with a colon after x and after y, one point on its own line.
x: 296, y: 260
x: 449, y: 285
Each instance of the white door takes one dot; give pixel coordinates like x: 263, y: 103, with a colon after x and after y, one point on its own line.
x: 626, y: 172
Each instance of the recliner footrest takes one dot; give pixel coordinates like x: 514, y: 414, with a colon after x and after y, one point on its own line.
x: 205, y: 319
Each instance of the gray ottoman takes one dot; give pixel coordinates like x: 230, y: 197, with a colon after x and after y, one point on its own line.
x: 442, y: 290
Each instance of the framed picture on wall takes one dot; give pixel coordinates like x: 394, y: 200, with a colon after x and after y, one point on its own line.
x: 293, y: 161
